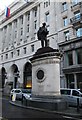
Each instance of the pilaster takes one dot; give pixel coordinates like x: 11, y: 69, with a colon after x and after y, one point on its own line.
x: 24, y: 26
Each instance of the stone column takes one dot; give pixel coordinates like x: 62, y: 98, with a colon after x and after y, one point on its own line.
x: 74, y: 57
x: 75, y: 81
x: 18, y: 30
x: 31, y: 24
x: 24, y: 27
x: 7, y: 37
x: 38, y: 17
x: 3, y: 39
x: 12, y: 33
x: 53, y: 19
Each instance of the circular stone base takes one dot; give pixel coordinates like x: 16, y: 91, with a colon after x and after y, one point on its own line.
x: 45, y: 51
x: 50, y: 103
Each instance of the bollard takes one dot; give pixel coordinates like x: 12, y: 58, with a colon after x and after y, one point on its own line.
x: 14, y: 97
x: 78, y: 108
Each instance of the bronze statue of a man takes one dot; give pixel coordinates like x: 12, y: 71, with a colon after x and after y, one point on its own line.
x: 42, y: 35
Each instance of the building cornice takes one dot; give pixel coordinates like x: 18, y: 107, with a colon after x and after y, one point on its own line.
x: 70, y: 41
x: 73, y: 69
x: 16, y: 59
x: 18, y: 47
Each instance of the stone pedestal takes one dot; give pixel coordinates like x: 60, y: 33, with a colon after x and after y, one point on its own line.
x: 46, y: 80
x: 46, y: 72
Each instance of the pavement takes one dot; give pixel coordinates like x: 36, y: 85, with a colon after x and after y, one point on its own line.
x: 70, y: 111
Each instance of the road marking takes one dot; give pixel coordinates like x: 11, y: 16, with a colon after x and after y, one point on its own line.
x: 1, y: 118
x: 71, y: 118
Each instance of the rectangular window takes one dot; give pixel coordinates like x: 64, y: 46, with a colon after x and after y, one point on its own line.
x: 64, y: 6
x: 24, y: 50
x: 67, y: 36
x: 79, y: 56
x: 15, y: 34
x: 6, y: 56
x: 21, y: 19
x: 1, y: 57
x: 32, y: 48
x: 35, y: 24
x: 28, y: 28
x: 12, y: 54
x: 35, y: 12
x: 20, y: 39
x: 70, y: 58
x: 47, y: 18
x: 70, y: 80
x: 79, y: 32
x: 5, y: 29
x: 27, y: 37
x: 15, y: 23
x: 77, y: 15
x: 46, y: 3
x: 74, y: 2
x: 65, y: 20
x: 28, y: 16
x: 48, y: 42
x: 21, y: 31
x: 18, y: 52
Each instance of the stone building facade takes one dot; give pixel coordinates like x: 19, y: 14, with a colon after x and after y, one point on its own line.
x: 18, y: 40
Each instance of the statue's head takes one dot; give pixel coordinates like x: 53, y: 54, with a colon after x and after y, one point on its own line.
x: 44, y: 24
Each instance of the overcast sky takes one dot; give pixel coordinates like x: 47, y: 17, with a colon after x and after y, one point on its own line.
x: 4, y: 3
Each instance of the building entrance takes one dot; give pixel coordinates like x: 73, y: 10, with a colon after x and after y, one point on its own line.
x: 15, y: 72
x: 3, y: 76
x: 27, y: 75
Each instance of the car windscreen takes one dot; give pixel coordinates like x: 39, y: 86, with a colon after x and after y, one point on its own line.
x: 17, y: 91
x: 26, y: 90
x: 80, y: 90
x: 65, y: 92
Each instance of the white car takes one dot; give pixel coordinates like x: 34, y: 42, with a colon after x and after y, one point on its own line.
x: 26, y: 93
x: 71, y: 96
x: 20, y: 93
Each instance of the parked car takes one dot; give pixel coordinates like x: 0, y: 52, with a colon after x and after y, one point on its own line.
x: 71, y: 96
x: 20, y: 93
x: 26, y: 93
x: 25, y: 97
